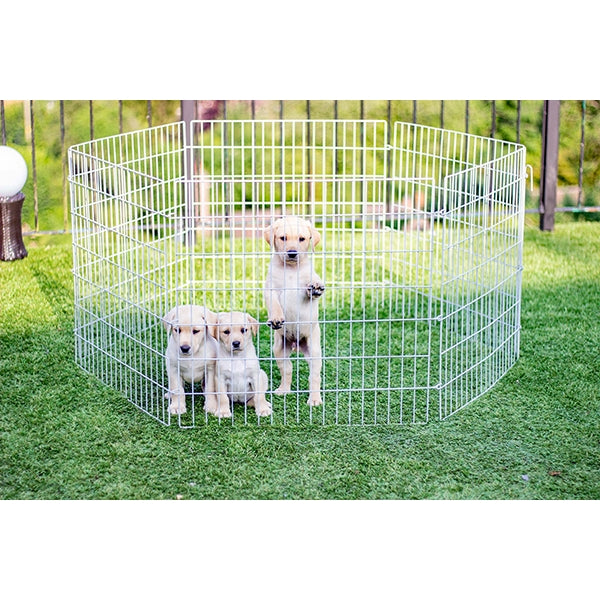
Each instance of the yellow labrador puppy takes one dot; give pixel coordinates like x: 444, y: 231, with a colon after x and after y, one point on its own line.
x: 292, y: 290
x: 191, y: 356
x: 238, y: 372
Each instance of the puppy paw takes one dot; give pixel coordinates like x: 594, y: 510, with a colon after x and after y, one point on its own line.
x: 177, y: 408
x: 276, y: 322
x: 281, y: 390
x: 314, y: 399
x: 264, y: 409
x: 176, y: 398
x: 219, y: 411
x: 223, y: 412
x: 315, y: 289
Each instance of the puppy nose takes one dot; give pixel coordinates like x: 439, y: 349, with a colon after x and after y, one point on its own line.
x: 292, y: 253
x: 235, y: 344
x: 184, y: 349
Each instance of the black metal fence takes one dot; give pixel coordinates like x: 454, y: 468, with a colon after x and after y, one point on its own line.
x: 562, y: 152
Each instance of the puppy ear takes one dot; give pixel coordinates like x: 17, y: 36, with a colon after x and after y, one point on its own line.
x: 212, y: 330
x: 167, y: 320
x: 316, y: 236
x: 210, y: 317
x: 268, y: 235
x: 253, y: 324
x: 212, y: 323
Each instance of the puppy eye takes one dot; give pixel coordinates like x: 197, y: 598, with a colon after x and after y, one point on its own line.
x: 195, y: 331
x: 176, y: 330
x: 244, y: 330
x: 283, y: 238
x: 301, y: 239
x: 226, y: 332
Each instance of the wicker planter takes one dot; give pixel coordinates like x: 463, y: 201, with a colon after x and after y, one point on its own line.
x: 11, y: 237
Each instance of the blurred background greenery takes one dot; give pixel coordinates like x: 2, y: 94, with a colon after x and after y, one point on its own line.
x: 57, y: 125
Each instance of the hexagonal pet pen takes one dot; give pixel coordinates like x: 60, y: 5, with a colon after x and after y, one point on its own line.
x: 420, y: 253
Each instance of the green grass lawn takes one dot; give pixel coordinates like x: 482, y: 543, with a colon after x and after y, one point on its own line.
x: 536, y: 435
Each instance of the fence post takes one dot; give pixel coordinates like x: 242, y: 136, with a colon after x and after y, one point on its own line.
x: 188, y: 111
x: 549, y: 166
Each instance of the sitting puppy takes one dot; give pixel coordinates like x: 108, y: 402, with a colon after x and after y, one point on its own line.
x: 191, y: 355
x: 292, y: 290
x: 238, y: 373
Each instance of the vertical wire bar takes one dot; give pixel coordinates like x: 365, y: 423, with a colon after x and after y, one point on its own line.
x: 360, y: 172
x: 63, y: 157
x: 307, y: 174
x: 447, y: 259
x: 431, y: 265
x: 466, y: 116
x: 281, y: 158
x: 418, y: 134
x: 188, y: 114
x: 362, y: 156
x: 365, y: 253
x: 348, y: 260
x: 3, y: 122
x: 388, y: 155
x: 120, y: 116
x: 34, y: 169
x: 91, y: 107
x: 394, y: 198
x: 414, y: 112
x: 581, y: 153
x: 518, y: 122
x: 493, y: 132
x: 225, y: 158
x: 423, y: 173
x: 325, y: 201
x: 335, y: 210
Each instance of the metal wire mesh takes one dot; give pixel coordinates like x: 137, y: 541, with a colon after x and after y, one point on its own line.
x: 420, y: 255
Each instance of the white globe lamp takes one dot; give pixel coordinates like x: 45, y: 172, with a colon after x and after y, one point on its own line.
x: 13, y: 172
x: 13, y: 175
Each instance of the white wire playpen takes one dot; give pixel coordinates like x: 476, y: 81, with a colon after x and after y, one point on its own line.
x: 420, y: 255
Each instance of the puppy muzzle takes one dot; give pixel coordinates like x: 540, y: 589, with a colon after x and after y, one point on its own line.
x: 292, y: 256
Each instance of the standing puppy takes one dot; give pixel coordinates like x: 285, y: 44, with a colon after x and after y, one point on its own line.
x: 191, y: 356
x: 238, y: 372
x: 292, y: 290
